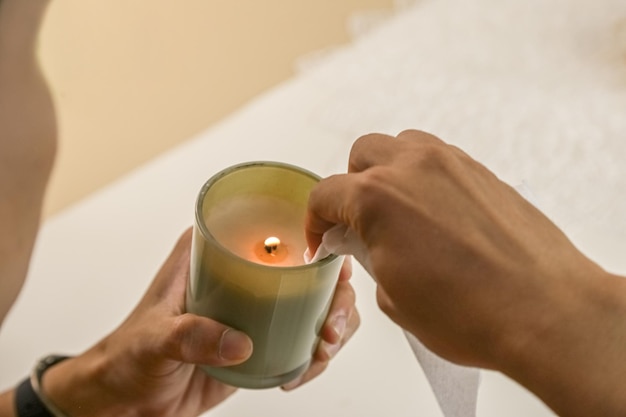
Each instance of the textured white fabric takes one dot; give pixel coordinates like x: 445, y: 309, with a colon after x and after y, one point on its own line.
x: 533, y: 89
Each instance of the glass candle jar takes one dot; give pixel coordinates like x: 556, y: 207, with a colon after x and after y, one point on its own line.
x: 248, y: 270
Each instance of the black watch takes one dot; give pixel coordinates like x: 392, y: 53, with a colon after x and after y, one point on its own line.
x: 29, y: 400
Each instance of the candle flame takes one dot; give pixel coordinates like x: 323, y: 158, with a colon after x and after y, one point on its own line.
x: 271, y: 244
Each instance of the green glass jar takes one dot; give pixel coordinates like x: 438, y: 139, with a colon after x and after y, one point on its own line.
x: 259, y: 286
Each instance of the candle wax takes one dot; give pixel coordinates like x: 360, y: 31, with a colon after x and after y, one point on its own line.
x: 242, y: 224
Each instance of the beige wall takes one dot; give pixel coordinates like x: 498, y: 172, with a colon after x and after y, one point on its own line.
x: 133, y: 78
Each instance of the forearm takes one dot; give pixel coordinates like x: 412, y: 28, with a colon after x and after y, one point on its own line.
x: 80, y: 387
x: 74, y: 387
x: 7, y: 408
x: 27, y: 141
x: 574, y: 358
x: 20, y: 22
x: 27, y: 119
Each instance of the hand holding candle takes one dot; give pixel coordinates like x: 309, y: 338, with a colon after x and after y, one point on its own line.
x: 148, y: 365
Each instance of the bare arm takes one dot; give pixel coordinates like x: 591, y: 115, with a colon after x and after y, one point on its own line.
x: 147, y: 365
x: 27, y: 148
x: 478, y: 274
x: 6, y: 404
x: 27, y: 141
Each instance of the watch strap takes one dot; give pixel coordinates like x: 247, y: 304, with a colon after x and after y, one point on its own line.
x: 30, y: 401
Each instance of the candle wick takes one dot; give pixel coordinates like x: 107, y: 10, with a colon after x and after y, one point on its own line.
x: 271, y: 245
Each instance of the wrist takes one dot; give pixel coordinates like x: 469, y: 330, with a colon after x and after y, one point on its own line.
x: 78, y: 388
x: 571, y: 348
x: 28, y: 399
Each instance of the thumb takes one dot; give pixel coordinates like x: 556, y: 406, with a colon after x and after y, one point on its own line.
x: 202, y: 341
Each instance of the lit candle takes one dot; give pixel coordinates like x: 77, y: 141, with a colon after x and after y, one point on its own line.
x: 248, y: 271
x: 272, y: 251
x: 243, y: 225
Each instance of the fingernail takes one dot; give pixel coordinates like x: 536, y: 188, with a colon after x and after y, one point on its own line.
x: 339, y: 325
x: 234, y: 345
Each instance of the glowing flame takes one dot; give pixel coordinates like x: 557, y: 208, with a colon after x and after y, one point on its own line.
x: 271, y: 244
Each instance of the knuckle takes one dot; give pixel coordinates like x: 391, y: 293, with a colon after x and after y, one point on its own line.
x: 429, y: 153
x: 410, y: 134
x: 418, y: 135
x: 370, y: 192
x: 365, y: 139
x: 371, y: 184
x: 177, y: 334
x: 428, y: 159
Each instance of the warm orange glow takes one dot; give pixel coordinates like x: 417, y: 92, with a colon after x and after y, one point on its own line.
x: 271, y: 251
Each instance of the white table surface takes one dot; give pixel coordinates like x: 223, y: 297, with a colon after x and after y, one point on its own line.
x: 94, y: 260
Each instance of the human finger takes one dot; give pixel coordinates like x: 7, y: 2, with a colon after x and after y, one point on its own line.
x: 171, y: 279
x: 378, y: 149
x: 346, y: 269
x: 193, y: 339
x: 326, y: 207
x: 342, y: 321
x: 321, y: 361
x: 369, y: 150
x: 415, y: 134
x: 342, y: 307
x: 316, y: 368
x: 342, y: 198
x: 328, y: 349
